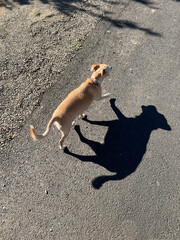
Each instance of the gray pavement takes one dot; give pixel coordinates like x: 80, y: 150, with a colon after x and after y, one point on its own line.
x: 120, y: 178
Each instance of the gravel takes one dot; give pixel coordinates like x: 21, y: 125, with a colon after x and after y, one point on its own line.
x: 37, y: 40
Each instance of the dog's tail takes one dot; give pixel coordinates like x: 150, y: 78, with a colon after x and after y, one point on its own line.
x: 45, y: 134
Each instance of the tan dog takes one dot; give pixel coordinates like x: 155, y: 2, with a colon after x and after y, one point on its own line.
x: 76, y: 103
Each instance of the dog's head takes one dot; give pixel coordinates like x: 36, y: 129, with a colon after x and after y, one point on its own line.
x: 100, y: 71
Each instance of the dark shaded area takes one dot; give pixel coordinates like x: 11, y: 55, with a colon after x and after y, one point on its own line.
x: 131, y: 25
x: 66, y: 7
x: 146, y: 3
x: 4, y: 3
x: 124, y: 144
x: 9, y: 4
x: 59, y: 2
x: 22, y: 2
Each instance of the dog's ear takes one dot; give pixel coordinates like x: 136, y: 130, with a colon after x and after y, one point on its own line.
x: 95, y: 67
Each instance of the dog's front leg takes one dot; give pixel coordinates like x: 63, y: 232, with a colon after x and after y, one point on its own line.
x: 101, y: 96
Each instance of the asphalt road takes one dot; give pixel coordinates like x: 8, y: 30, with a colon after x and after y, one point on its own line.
x: 120, y: 179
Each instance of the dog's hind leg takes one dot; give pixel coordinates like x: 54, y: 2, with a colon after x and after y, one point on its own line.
x: 57, y: 125
x: 64, y: 133
x: 63, y: 136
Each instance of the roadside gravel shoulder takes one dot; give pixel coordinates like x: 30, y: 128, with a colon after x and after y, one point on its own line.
x: 37, y: 41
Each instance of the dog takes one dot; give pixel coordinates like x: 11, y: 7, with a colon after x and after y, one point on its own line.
x: 76, y: 103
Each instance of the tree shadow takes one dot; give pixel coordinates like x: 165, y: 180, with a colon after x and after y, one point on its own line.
x: 5, y: 3
x: 68, y: 7
x: 146, y: 3
x: 132, y: 25
x: 124, y: 144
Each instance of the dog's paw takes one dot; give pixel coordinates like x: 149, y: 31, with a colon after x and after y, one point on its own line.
x: 81, y: 116
x: 106, y: 95
x: 73, y: 123
x: 62, y: 147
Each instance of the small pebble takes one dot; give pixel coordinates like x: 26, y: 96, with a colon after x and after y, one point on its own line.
x: 157, y: 183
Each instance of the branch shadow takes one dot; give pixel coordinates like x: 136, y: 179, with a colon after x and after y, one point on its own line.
x: 124, y: 144
x: 68, y: 7
x: 146, y: 3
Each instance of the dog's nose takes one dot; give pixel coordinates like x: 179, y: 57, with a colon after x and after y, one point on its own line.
x: 110, y: 68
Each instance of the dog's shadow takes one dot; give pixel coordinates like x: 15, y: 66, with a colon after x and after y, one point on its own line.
x: 124, y: 144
